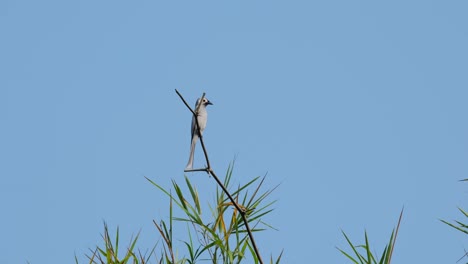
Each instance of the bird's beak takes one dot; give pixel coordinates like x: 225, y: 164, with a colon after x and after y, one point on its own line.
x: 209, y: 103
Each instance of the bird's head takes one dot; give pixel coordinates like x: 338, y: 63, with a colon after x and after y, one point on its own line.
x: 206, y: 102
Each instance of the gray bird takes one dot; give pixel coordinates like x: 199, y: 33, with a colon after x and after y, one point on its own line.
x: 202, y: 118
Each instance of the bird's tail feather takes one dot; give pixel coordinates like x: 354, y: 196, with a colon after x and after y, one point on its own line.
x: 192, y: 153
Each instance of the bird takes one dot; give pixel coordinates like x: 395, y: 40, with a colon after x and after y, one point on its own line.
x: 202, y: 116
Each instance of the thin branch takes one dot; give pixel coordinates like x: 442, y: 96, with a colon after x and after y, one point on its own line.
x: 192, y: 170
x: 210, y: 171
x: 466, y: 254
x: 185, y: 102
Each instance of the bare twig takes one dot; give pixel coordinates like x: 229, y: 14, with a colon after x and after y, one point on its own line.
x: 466, y: 254
x: 192, y: 170
x: 210, y: 171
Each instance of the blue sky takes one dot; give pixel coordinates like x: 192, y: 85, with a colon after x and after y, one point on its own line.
x: 356, y: 108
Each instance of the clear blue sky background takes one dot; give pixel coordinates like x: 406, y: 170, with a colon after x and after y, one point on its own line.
x: 357, y: 108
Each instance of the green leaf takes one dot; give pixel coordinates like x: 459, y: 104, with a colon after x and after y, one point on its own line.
x: 194, y: 194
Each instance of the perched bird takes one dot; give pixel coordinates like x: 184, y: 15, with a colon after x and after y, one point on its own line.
x: 202, y: 117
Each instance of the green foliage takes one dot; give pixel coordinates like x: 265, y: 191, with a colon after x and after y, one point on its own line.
x: 110, y: 252
x: 367, y: 257
x: 224, y: 238
x: 460, y: 226
x: 220, y: 239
